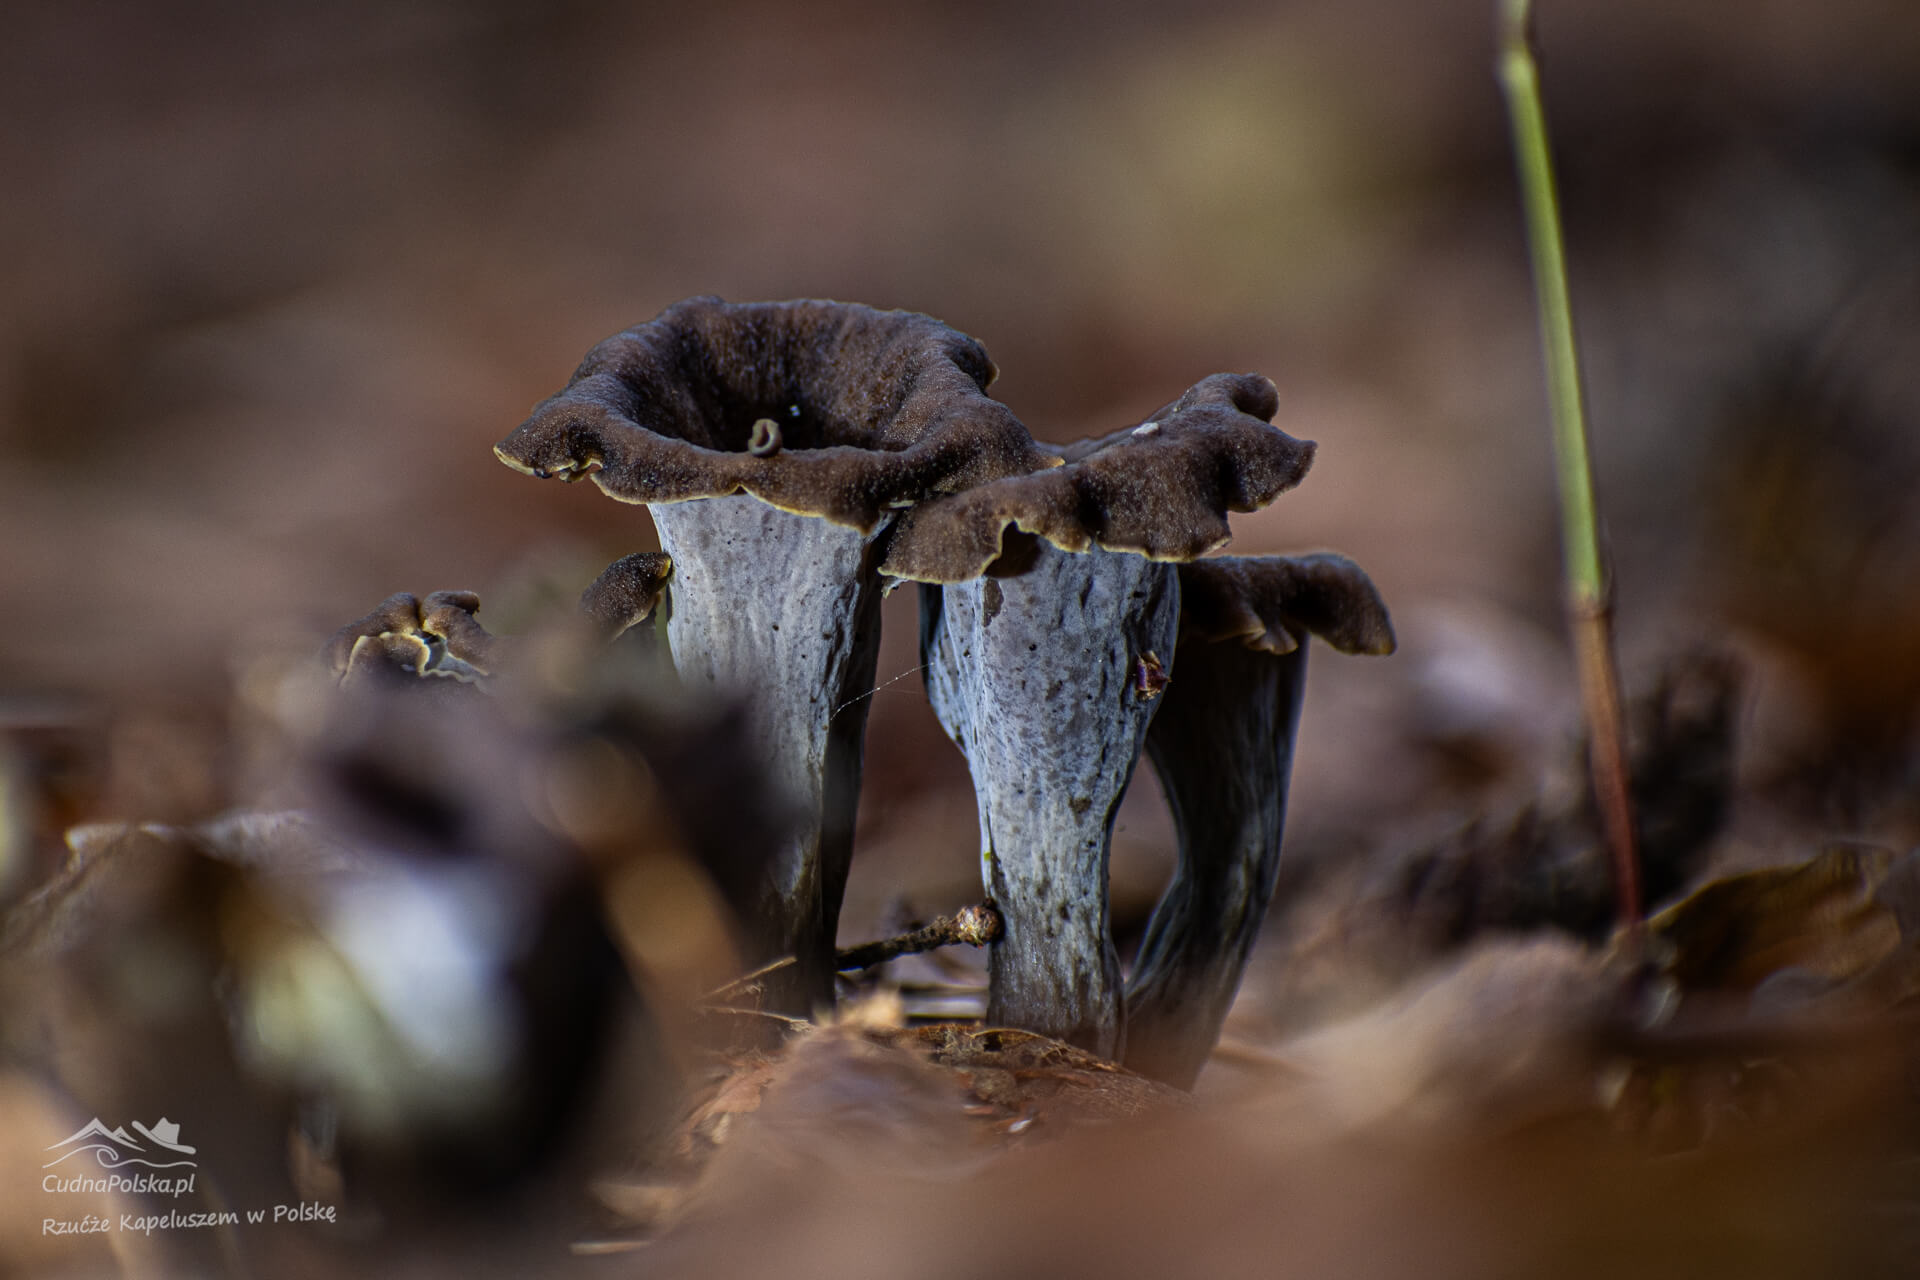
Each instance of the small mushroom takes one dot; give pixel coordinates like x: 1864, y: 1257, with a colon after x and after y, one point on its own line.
x: 1047, y: 651
x: 435, y: 637
x: 1222, y: 745
x: 775, y: 443
x: 627, y: 592
x: 407, y: 638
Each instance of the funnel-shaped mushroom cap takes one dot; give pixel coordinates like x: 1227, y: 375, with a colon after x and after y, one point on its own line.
x: 819, y: 408
x: 1161, y: 489
x: 435, y: 637
x: 627, y: 591
x: 1222, y: 743
x: 1272, y: 603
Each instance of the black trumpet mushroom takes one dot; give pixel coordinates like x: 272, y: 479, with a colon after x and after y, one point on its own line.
x: 1222, y: 744
x: 775, y: 444
x: 404, y: 636
x: 1048, y: 633
x: 626, y: 592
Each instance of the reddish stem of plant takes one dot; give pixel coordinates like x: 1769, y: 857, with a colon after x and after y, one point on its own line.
x: 1592, y: 627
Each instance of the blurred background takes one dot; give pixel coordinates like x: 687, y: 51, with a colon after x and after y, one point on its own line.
x: 277, y: 277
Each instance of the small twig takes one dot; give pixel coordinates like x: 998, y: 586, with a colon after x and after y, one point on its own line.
x: 1589, y: 596
x: 975, y: 926
x: 789, y: 1022
x: 748, y: 983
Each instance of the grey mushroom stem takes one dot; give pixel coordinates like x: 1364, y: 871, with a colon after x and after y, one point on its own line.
x: 1222, y: 745
x: 783, y: 611
x: 1039, y: 679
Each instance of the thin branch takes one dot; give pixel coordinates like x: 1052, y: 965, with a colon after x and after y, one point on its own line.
x: 974, y: 926
x: 734, y: 1011
x: 747, y: 983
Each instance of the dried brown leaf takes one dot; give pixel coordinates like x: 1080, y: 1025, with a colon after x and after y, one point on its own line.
x: 1820, y: 916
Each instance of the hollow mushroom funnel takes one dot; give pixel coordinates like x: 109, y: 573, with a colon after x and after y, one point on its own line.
x: 774, y: 444
x: 1047, y: 642
x: 1222, y: 744
x: 1045, y: 680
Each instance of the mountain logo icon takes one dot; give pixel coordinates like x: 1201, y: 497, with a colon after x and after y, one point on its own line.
x: 113, y: 1148
x: 165, y: 1133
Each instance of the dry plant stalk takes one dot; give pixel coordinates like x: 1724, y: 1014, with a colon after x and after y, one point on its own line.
x: 1589, y: 597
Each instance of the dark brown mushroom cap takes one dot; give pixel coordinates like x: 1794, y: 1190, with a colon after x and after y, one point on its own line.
x: 1161, y: 489
x: 435, y: 637
x: 872, y: 410
x: 1271, y: 603
x: 627, y: 591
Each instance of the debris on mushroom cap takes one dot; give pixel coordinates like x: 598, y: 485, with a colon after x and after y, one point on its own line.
x: 437, y: 637
x: 627, y: 591
x: 766, y: 439
x: 1162, y: 489
x: 1270, y: 603
x: 871, y: 411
